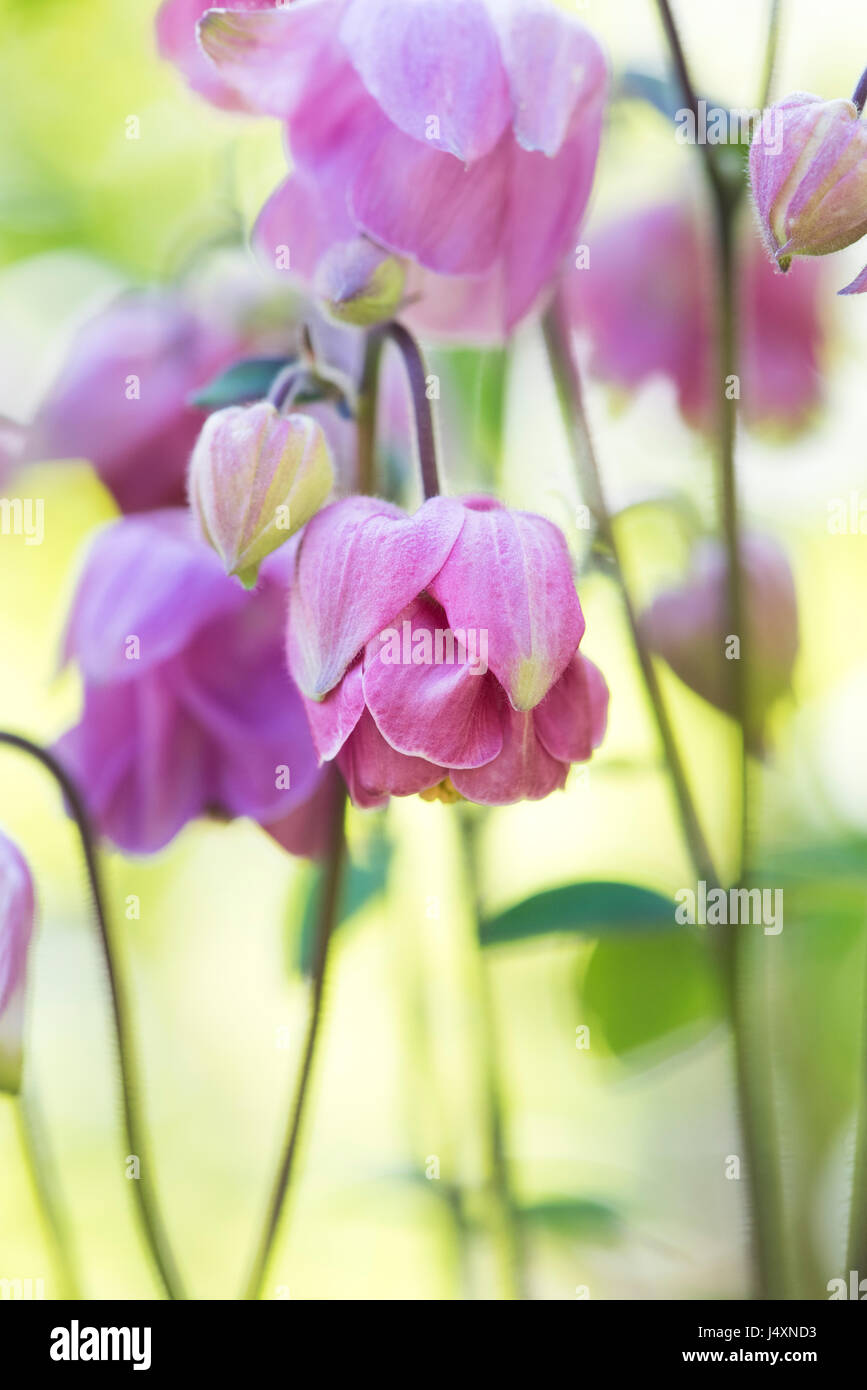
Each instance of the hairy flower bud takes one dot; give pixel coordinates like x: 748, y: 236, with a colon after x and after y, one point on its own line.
x: 17, y: 911
x: 810, y: 186
x: 255, y: 478
x: 359, y: 284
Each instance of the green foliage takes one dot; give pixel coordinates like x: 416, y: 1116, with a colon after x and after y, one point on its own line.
x: 590, y: 909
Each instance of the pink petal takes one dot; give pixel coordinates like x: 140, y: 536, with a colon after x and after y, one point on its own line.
x: 374, y: 771
x: 570, y: 721
x: 268, y: 57
x: 439, y: 59
x: 333, y: 718
x: 771, y: 169
x: 441, y: 712
x: 299, y: 216
x: 306, y: 830
x: 858, y: 285
x: 360, y: 561
x: 523, y: 771
x: 17, y: 911
x: 557, y: 71
x: 510, y: 573
x: 177, y: 40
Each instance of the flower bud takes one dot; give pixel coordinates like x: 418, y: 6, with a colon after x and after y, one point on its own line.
x: 689, y: 627
x: 255, y: 478
x: 359, y: 284
x: 808, y: 172
x: 17, y: 911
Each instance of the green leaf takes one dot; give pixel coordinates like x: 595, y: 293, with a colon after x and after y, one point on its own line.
x: 363, y: 881
x: 592, y: 909
x: 479, y: 377
x: 647, y: 989
x: 247, y: 380
x: 580, y: 1218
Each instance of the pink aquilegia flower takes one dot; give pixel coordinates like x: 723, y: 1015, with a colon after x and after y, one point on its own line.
x: 440, y: 651
x: 809, y: 184
x: 462, y: 134
x: 17, y: 912
x: 647, y: 304
x: 688, y: 625
x: 188, y: 708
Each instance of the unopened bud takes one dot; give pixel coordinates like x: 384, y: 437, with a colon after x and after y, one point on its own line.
x: 360, y: 284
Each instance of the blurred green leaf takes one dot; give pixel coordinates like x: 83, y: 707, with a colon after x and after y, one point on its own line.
x: 363, y: 881
x: 580, y: 1218
x: 479, y: 377
x: 643, y: 990
x: 248, y: 380
x: 593, y: 909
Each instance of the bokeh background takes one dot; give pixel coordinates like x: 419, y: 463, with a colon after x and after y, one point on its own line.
x: 618, y: 1151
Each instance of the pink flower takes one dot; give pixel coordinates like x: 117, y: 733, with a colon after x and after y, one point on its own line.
x: 17, y: 912
x: 647, y: 304
x: 441, y: 650
x: 188, y: 708
x: 688, y: 625
x: 808, y: 173
x: 459, y: 133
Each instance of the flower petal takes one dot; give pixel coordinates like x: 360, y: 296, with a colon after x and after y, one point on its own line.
x: 333, y: 719
x: 523, y: 771
x: 431, y: 61
x: 510, y: 574
x: 177, y: 40
x: 556, y: 69
x: 267, y: 57
x: 445, y: 712
x: 570, y: 721
x: 360, y: 561
x: 374, y: 771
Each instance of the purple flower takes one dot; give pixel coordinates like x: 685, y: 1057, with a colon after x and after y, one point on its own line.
x: 440, y: 651
x: 647, y: 303
x: 188, y: 707
x: 17, y: 912
x: 459, y: 133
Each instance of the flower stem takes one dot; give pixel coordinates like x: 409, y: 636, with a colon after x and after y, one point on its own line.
x: 771, y: 48
x: 570, y: 392
x: 145, y: 1194
x: 368, y: 397
x: 47, y: 1192
x: 857, y: 1245
x: 860, y: 95
x: 511, y: 1234
x: 329, y: 903
x: 754, y: 1080
x: 417, y: 376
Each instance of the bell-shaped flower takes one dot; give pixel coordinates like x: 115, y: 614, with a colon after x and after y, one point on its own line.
x: 188, y: 708
x: 255, y: 477
x: 462, y: 134
x: 689, y: 626
x: 17, y: 912
x: 359, y: 284
x: 808, y: 174
x: 438, y: 653
x: 647, y: 304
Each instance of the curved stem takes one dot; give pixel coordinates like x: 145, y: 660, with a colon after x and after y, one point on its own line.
x: 857, y: 1245
x: 569, y: 389
x: 145, y: 1195
x: 684, y: 78
x: 417, y: 376
x: 329, y: 903
x: 860, y: 95
x: 509, y: 1216
x: 46, y: 1191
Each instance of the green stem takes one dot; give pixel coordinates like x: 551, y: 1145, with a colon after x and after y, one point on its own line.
x: 40, y: 1170
x: 857, y: 1246
x: 368, y: 397
x: 567, y: 378
x: 508, y: 1214
x: 144, y: 1190
x: 329, y: 904
x: 771, y: 49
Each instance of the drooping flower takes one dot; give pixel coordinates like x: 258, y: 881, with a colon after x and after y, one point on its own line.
x: 647, y: 304
x: 689, y: 625
x: 439, y: 652
x: 255, y: 478
x: 357, y: 283
x: 462, y: 134
x: 810, y: 185
x: 17, y: 912
x: 188, y: 708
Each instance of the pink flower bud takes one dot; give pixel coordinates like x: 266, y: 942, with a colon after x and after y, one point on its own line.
x: 360, y: 284
x: 255, y: 478
x: 808, y: 171
x: 17, y: 911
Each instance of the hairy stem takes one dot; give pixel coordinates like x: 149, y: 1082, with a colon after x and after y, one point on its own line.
x: 329, y: 904
x: 144, y: 1190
